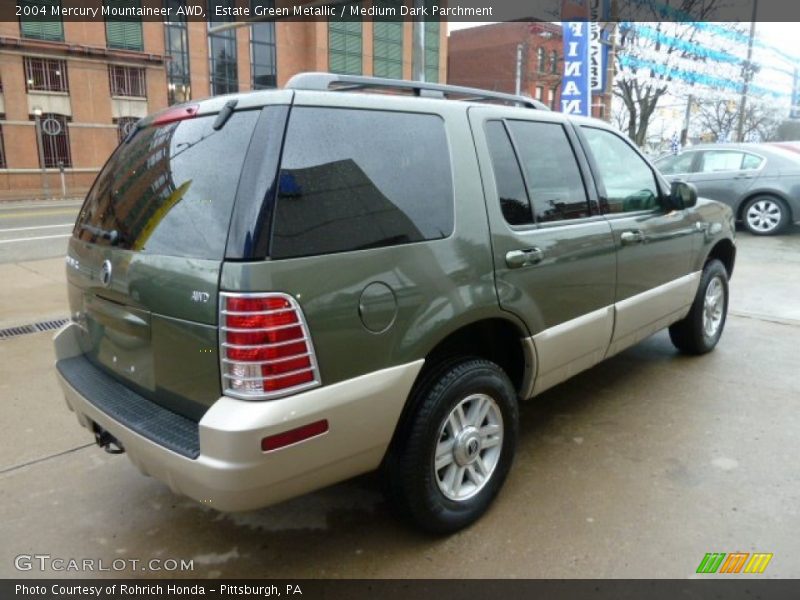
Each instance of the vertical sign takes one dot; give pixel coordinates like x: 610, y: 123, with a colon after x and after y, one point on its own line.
x: 575, y: 93
x: 598, y: 50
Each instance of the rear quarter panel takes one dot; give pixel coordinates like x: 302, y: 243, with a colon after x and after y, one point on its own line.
x: 439, y: 286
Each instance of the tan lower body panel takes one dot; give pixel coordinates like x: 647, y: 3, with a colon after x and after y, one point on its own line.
x: 232, y: 473
x: 569, y: 348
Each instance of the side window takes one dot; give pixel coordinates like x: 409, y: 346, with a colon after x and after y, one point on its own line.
x: 672, y: 165
x: 555, y: 184
x: 717, y: 160
x: 510, y: 186
x: 356, y: 179
x: 751, y: 161
x: 629, y: 181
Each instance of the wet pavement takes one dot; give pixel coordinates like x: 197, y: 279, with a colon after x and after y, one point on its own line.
x: 635, y: 468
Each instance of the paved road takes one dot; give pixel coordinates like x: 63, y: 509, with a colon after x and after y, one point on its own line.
x: 30, y: 231
x: 635, y: 468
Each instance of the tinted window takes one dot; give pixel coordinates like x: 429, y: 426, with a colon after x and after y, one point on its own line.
x: 354, y: 179
x: 551, y: 171
x: 507, y: 176
x: 629, y: 182
x: 715, y: 160
x: 166, y: 191
x: 680, y: 163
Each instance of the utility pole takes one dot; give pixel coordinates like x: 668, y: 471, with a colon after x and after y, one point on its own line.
x: 747, y: 74
x: 608, y: 98
x: 518, y: 78
x: 418, y: 44
x: 37, y: 118
x: 686, y: 117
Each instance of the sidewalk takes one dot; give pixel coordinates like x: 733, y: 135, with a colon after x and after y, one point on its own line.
x: 33, y: 291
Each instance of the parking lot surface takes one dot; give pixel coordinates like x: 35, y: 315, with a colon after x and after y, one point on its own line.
x: 635, y: 468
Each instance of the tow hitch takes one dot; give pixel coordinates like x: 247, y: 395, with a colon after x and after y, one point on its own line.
x: 107, y: 441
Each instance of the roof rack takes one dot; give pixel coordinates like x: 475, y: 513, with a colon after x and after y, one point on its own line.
x: 334, y: 82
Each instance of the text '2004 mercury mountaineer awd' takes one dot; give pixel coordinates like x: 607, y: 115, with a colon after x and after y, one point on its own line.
x: 275, y: 291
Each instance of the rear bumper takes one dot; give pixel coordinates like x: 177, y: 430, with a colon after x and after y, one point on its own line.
x: 231, y: 472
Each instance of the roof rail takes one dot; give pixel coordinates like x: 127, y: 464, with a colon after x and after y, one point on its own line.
x: 334, y: 82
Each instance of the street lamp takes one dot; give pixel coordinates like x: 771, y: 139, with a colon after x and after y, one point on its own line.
x: 37, y: 117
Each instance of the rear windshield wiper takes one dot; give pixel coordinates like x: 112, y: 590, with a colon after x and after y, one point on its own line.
x: 224, y: 114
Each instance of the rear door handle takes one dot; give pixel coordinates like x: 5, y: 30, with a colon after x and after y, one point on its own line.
x: 524, y: 258
x: 630, y: 238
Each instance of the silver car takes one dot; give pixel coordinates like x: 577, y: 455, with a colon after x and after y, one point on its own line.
x: 761, y: 182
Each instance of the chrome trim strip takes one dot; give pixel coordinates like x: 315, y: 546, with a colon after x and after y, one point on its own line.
x: 258, y: 329
x: 273, y: 345
x: 256, y: 312
x: 270, y: 377
x: 265, y: 362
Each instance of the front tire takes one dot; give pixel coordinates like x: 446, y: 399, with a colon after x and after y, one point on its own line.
x: 765, y: 215
x: 458, y: 447
x: 700, y: 331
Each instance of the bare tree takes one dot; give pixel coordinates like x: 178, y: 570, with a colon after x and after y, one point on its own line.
x: 641, y: 88
x: 720, y: 118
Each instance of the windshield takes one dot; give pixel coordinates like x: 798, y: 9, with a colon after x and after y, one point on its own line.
x: 169, y: 190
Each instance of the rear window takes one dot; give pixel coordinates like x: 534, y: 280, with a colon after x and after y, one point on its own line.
x: 170, y: 189
x: 356, y: 179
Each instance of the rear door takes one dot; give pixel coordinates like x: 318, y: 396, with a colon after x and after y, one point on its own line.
x: 145, y: 257
x: 726, y: 175
x: 553, y: 252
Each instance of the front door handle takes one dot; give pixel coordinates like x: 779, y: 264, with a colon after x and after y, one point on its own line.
x: 629, y: 238
x: 524, y: 258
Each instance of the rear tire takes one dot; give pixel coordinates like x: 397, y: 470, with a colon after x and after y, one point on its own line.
x: 458, y: 446
x: 765, y: 215
x: 700, y: 331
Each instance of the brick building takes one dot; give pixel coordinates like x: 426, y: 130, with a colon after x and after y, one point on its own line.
x: 90, y: 80
x: 486, y: 57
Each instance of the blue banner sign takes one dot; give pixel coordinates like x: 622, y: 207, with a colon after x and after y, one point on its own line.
x: 575, y: 93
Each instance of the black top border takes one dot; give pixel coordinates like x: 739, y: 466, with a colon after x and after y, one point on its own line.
x: 381, y: 10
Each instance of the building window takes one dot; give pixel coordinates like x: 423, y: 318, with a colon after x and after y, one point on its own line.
x: 46, y: 75
x: 34, y: 27
x: 387, y: 46
x: 539, y: 93
x: 127, y: 81
x: 124, y: 33
x: 554, y: 62
x: 222, y: 51
x: 541, y: 59
x: 177, y: 44
x: 55, y: 141
x: 553, y: 94
x: 345, y: 47
x: 124, y: 126
x: 263, y: 62
x: 2, y: 150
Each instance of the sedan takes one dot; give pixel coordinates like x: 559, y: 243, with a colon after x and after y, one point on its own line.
x: 761, y: 182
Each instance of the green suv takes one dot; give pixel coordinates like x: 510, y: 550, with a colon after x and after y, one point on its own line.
x: 275, y: 291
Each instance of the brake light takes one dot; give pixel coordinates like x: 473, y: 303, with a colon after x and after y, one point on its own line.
x: 179, y: 113
x: 265, y: 347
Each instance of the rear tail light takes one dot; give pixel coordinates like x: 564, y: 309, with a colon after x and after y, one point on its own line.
x: 265, y: 346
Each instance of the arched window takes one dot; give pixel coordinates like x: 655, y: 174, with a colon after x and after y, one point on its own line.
x: 554, y: 61
x: 541, y: 60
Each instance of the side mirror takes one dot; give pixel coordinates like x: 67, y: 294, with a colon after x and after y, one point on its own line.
x: 682, y: 195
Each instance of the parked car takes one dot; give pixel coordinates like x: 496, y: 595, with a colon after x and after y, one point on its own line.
x: 276, y: 291
x: 760, y: 182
